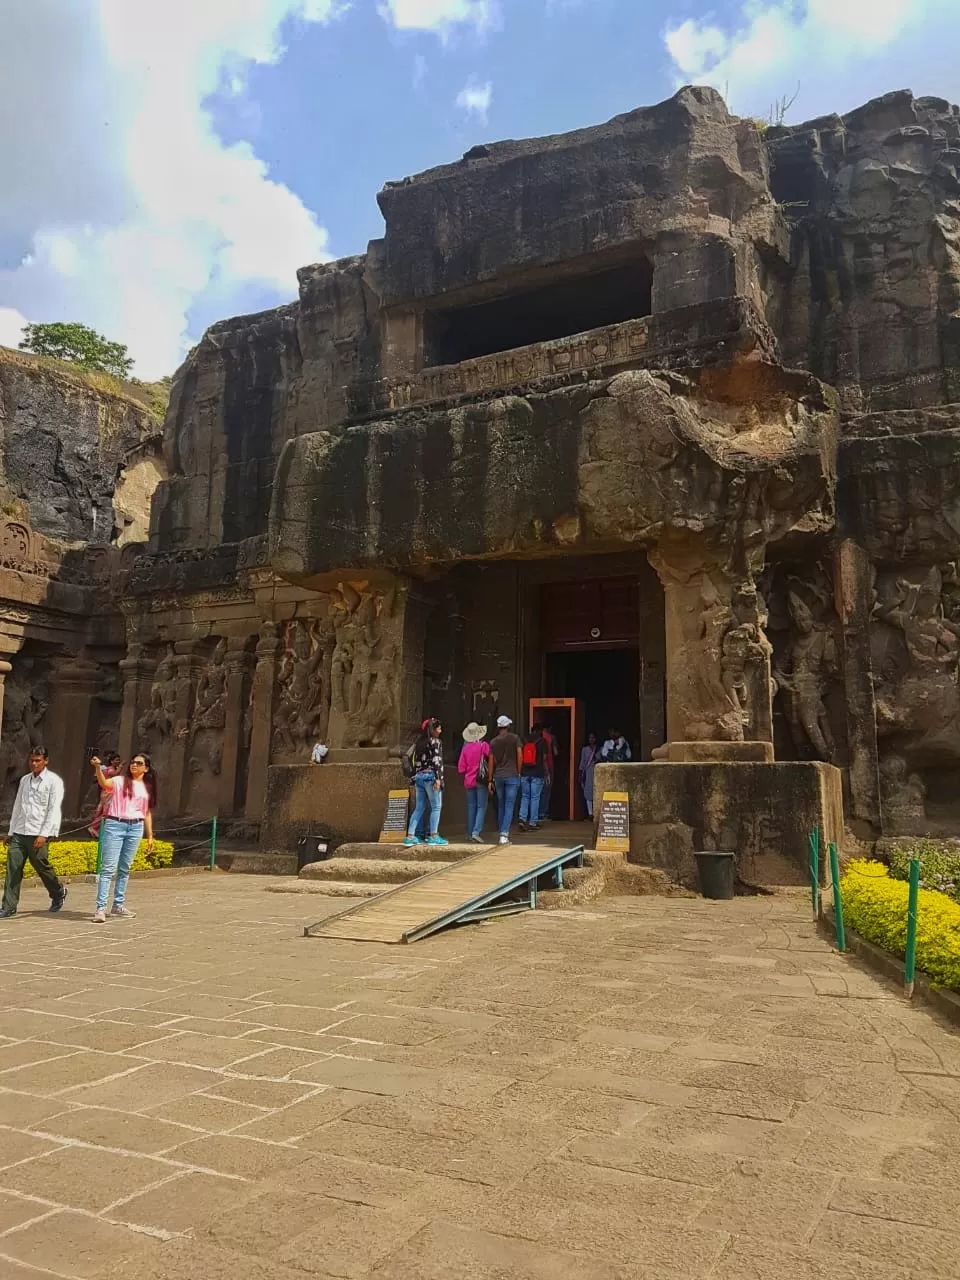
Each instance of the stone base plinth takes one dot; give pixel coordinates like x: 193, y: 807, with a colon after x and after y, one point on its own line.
x: 715, y: 752
x: 762, y: 812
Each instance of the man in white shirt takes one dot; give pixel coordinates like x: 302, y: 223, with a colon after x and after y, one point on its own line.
x: 34, y: 821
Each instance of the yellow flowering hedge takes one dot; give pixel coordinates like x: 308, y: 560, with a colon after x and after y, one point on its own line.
x: 875, y: 905
x: 79, y: 857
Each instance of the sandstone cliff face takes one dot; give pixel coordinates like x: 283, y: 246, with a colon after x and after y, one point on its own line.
x: 873, y: 302
x: 63, y: 445
x: 601, y: 467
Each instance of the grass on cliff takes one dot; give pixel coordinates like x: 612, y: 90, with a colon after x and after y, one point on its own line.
x: 152, y: 396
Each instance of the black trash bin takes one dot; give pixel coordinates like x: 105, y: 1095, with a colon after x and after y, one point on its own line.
x: 312, y: 848
x: 717, y: 872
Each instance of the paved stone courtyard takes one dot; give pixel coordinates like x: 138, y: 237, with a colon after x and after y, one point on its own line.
x: 649, y: 1088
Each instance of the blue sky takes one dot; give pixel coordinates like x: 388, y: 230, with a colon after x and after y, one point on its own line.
x: 169, y: 165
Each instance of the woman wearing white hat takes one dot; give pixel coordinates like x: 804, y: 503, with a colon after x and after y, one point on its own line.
x: 474, y: 764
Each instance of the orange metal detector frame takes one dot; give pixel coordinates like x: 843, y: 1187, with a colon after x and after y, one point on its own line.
x: 575, y: 713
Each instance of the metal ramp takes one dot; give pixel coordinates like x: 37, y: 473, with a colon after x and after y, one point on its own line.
x: 493, y: 882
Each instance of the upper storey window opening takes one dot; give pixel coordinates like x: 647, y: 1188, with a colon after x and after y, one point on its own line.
x: 560, y: 309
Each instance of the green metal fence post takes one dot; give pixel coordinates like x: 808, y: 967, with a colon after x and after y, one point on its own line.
x: 100, y: 846
x: 910, y: 963
x: 213, y: 842
x: 815, y: 871
x: 837, y: 901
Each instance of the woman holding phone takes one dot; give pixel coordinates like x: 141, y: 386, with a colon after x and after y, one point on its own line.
x: 128, y: 804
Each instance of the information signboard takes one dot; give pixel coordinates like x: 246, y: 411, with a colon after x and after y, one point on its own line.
x: 613, y: 830
x: 395, y: 819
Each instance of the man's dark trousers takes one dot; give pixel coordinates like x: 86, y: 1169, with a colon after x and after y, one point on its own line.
x: 20, y: 850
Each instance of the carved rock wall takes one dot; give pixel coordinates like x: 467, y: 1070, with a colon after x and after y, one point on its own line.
x: 873, y: 198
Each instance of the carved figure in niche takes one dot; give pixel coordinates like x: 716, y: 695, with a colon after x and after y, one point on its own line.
x: 379, y: 711
x: 364, y: 667
x: 211, y: 709
x: 745, y: 654
x: 303, y: 701
x: 157, y: 722
x: 813, y: 663
x: 25, y: 702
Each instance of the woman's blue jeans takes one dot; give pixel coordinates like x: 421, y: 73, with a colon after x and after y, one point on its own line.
x: 429, y: 800
x: 507, y: 789
x: 121, y: 840
x: 477, y: 798
x: 530, y: 790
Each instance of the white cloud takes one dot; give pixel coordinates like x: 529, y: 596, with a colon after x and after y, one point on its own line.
x: 840, y: 52
x: 694, y: 45
x: 123, y: 209
x: 475, y: 99
x: 11, y: 327
x: 438, y: 15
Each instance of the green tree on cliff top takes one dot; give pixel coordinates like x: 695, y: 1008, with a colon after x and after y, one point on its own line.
x: 78, y: 345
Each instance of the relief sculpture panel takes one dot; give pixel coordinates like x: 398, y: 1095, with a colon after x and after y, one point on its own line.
x: 915, y: 647
x: 806, y: 669
x: 26, y: 698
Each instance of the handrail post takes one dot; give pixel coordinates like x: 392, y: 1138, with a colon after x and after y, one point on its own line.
x: 213, y: 843
x: 910, y: 961
x: 815, y: 872
x: 837, y: 901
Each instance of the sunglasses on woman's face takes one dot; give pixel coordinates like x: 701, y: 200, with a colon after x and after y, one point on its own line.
x: 141, y: 763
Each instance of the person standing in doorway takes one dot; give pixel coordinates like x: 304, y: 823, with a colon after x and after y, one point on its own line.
x: 616, y: 749
x: 128, y: 816
x: 588, y: 762
x: 533, y: 772
x: 35, y: 820
x: 552, y: 750
x: 428, y: 779
x: 505, y: 750
x: 474, y: 765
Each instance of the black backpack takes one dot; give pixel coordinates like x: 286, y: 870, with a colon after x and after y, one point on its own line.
x: 407, y: 762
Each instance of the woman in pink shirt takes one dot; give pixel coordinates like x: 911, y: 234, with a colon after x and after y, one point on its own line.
x: 474, y: 764
x: 127, y: 805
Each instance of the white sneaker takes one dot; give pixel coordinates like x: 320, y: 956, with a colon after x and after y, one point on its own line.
x: 504, y: 839
x: 120, y: 910
x: 100, y: 916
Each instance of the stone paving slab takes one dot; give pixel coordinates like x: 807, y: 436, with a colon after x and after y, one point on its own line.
x: 653, y: 1088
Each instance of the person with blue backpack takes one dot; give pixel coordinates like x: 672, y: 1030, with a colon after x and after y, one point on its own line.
x: 426, y: 767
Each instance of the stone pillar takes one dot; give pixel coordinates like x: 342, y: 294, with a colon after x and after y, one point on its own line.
x: 416, y: 609
x: 261, y: 717
x: 186, y: 663
x: 5, y: 669
x: 853, y: 593
x: 69, y: 726
x: 652, y: 663
x: 719, y: 686
x: 237, y: 663
x: 137, y: 676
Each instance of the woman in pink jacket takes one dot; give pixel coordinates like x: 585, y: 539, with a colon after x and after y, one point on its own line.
x: 474, y: 765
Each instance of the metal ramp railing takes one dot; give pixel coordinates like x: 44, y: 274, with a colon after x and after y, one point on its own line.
x: 474, y: 888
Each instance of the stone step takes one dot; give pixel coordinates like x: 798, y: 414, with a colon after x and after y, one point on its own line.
x: 411, y: 853
x: 369, y: 870
x: 332, y: 888
x: 254, y: 862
